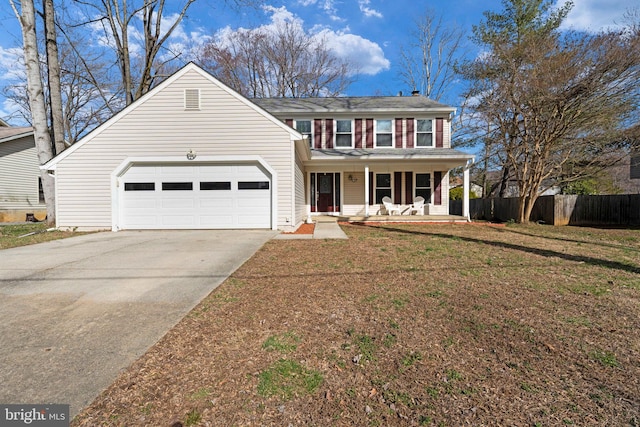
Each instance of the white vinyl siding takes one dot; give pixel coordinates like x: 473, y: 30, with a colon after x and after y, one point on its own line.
x: 159, y: 126
x: 19, y: 174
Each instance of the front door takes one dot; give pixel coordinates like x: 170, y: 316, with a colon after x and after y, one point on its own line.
x: 325, y: 192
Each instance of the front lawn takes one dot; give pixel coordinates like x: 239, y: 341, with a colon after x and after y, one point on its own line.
x: 404, y: 325
x: 12, y: 235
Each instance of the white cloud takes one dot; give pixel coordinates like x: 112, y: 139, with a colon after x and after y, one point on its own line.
x: 11, y: 64
x: 368, y: 12
x: 367, y: 56
x: 597, y: 15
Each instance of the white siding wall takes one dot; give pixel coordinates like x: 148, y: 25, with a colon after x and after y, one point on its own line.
x: 19, y: 174
x: 446, y: 134
x: 160, y: 126
x: 300, y: 208
x: 353, y: 200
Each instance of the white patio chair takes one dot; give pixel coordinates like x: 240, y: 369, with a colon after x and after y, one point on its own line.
x: 389, y: 207
x: 417, y: 207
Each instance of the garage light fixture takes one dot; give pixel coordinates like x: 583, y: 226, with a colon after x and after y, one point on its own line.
x: 191, y: 155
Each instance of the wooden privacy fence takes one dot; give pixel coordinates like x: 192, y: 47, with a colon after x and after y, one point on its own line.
x: 618, y: 210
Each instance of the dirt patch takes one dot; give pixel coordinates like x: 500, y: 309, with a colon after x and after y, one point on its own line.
x: 304, y: 229
x: 404, y: 325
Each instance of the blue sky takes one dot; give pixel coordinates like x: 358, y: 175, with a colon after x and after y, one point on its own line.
x: 369, y: 32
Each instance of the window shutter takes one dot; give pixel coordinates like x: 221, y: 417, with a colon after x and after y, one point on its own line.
x: 437, y: 193
x: 328, y: 124
x: 410, y: 123
x: 192, y: 99
x: 371, y: 188
x: 317, y: 133
x: 398, y: 133
x: 408, y: 187
x: 289, y: 122
x: 358, y: 133
x: 369, y: 134
x: 397, y: 187
x: 439, y: 133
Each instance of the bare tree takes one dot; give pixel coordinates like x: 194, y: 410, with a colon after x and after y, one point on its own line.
x: 53, y: 77
x: 428, y: 63
x: 287, y: 62
x: 117, y: 18
x: 27, y: 18
x: 557, y: 107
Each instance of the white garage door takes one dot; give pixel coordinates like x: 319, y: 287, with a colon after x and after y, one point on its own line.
x: 199, y: 196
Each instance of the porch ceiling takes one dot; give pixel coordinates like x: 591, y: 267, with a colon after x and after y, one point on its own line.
x: 444, y: 156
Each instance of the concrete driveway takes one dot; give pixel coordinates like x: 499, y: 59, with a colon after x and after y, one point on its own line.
x: 76, y: 312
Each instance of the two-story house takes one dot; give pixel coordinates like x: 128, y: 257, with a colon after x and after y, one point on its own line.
x: 193, y: 153
x: 363, y: 149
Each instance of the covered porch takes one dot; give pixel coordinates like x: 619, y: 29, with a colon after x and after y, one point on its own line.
x: 391, y: 218
x: 350, y: 184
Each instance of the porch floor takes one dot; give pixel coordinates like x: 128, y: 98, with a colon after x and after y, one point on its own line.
x: 389, y: 218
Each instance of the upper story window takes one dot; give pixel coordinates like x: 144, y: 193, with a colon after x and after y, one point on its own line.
x: 344, y: 134
x: 306, y: 129
x: 424, y: 133
x: 384, y: 133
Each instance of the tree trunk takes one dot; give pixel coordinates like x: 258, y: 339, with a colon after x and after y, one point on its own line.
x: 27, y: 19
x: 53, y: 75
x: 504, y: 181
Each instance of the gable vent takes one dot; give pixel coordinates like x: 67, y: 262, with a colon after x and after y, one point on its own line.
x: 192, y: 99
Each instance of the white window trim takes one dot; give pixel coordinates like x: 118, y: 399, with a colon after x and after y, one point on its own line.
x: 312, y: 136
x: 335, y: 134
x: 393, y: 133
x: 433, y: 134
x: 375, y: 184
x: 415, y: 184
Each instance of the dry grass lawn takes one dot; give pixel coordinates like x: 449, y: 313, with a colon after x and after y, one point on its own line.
x: 13, y: 235
x: 404, y: 325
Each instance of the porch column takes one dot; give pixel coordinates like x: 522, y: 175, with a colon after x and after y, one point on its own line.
x: 307, y: 198
x: 366, y: 190
x: 465, y: 192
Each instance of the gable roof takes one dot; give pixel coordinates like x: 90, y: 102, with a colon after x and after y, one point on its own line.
x: 364, y: 104
x: 10, y: 133
x: 175, y: 76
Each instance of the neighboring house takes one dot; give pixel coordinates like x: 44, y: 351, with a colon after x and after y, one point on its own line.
x: 634, y: 165
x: 512, y: 190
x: 20, y: 189
x: 193, y: 153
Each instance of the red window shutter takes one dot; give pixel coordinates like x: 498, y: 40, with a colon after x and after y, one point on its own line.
x: 398, y: 133
x: 369, y: 133
x: 437, y: 192
x: 317, y: 133
x: 439, y: 133
x: 358, y: 133
x: 410, y: 123
x: 371, y: 188
x: 397, y: 187
x: 408, y: 187
x: 328, y: 125
x: 289, y: 122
